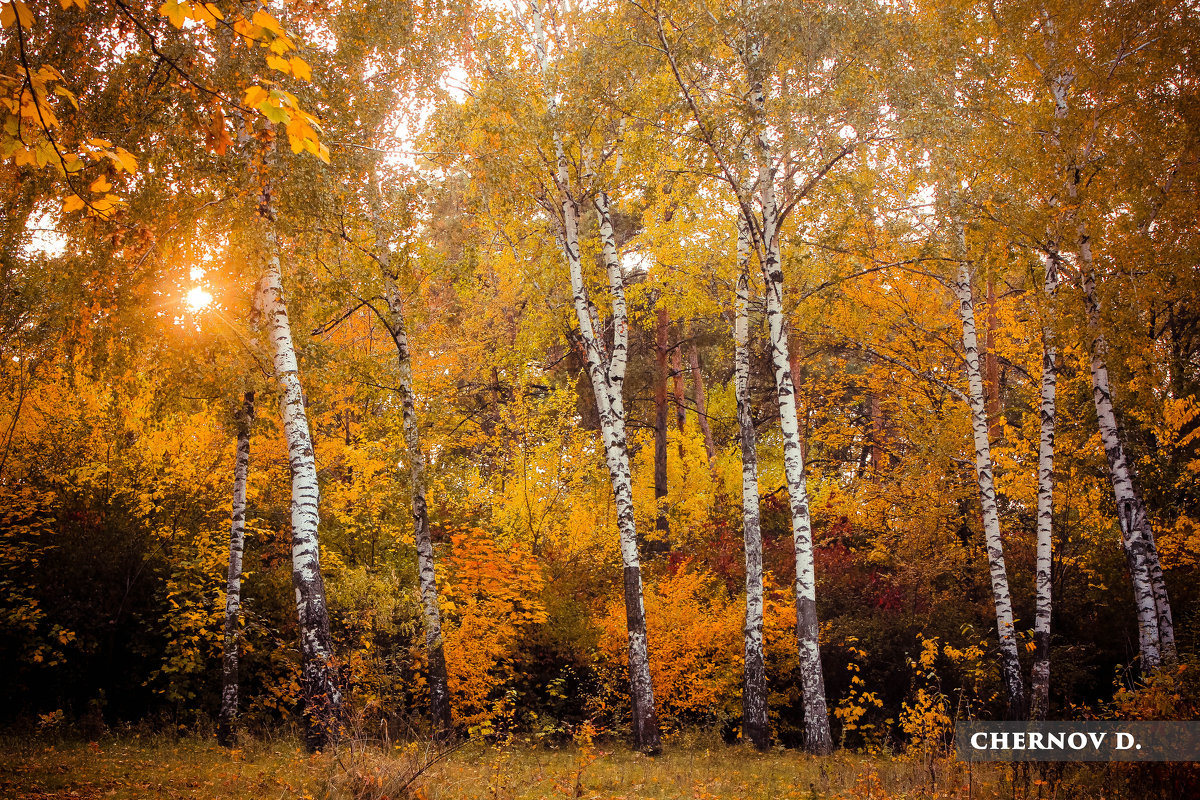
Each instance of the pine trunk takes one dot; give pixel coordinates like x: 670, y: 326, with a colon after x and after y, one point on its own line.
x: 226, y: 734
x: 1010, y: 664
x: 755, y: 725
x: 817, y: 737
x: 322, y: 696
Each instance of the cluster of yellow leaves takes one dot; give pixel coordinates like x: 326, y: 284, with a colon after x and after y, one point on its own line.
x: 31, y: 126
x: 852, y: 708
x: 30, y: 123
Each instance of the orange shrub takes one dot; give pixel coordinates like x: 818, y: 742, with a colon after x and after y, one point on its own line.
x: 694, y: 629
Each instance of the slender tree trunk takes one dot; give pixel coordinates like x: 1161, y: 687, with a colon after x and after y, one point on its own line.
x: 1040, y: 676
x: 991, y: 365
x: 1156, y: 629
x: 877, y: 434
x: 439, y: 686
x: 680, y: 397
x: 607, y: 374
x: 1153, y: 609
x: 817, y: 737
x: 1010, y: 664
x: 226, y: 735
x: 756, y: 728
x: 322, y: 696
x: 701, y: 399
x: 662, y: 371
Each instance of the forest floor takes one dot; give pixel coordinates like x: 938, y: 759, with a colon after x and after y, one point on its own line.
x: 197, y: 769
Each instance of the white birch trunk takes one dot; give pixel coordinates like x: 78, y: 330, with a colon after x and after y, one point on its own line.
x: 438, y: 679
x: 322, y: 695
x: 755, y: 725
x: 226, y: 735
x: 439, y: 687
x: 607, y: 376
x: 1131, y: 513
x: 1010, y: 664
x: 1040, y: 676
x: 817, y: 737
x: 1156, y: 630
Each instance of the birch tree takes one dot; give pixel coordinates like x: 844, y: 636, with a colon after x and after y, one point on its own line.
x: 1010, y: 664
x: 319, y: 682
x: 1155, y: 624
x: 755, y: 724
x: 606, y: 371
x: 233, y: 582
x: 394, y: 321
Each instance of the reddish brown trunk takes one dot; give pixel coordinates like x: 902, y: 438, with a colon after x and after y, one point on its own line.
x: 701, y: 398
x: 661, y: 373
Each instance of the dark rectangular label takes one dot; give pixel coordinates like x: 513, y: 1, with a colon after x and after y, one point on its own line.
x: 1077, y: 741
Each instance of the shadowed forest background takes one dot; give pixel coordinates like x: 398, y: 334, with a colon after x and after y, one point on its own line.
x: 550, y: 278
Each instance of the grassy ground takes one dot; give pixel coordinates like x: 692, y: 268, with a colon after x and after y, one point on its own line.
x: 196, y: 768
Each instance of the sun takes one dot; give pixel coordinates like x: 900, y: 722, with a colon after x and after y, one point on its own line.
x: 197, y: 299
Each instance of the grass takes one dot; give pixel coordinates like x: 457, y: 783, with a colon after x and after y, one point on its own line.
x: 187, y: 768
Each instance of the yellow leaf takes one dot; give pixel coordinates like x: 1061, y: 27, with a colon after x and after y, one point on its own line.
x: 281, y: 64
x: 281, y: 45
x: 265, y: 20
x: 100, y: 142
x: 255, y: 95
x: 101, y: 184
x: 58, y: 90
x: 175, y: 12
x: 301, y: 69
x: 126, y: 159
x: 22, y: 15
x: 73, y: 203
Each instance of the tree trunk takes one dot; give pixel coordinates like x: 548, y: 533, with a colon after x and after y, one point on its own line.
x: 1010, y: 664
x: 1155, y: 629
x: 991, y: 365
x: 226, y: 735
x: 817, y: 738
x: 322, y: 696
x: 701, y: 399
x: 1040, y: 676
x: 607, y: 374
x: 680, y: 397
x: 439, y: 685
x: 662, y: 371
x: 755, y: 725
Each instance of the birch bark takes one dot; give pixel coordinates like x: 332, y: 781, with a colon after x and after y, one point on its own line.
x: 1156, y: 629
x: 817, y: 736
x: 1010, y: 665
x: 755, y: 725
x: 1040, y: 675
x: 607, y: 374
x: 438, y: 680
x: 1136, y: 534
x: 226, y: 735
x: 323, y: 698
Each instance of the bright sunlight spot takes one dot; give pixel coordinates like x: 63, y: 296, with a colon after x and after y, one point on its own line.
x: 197, y: 299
